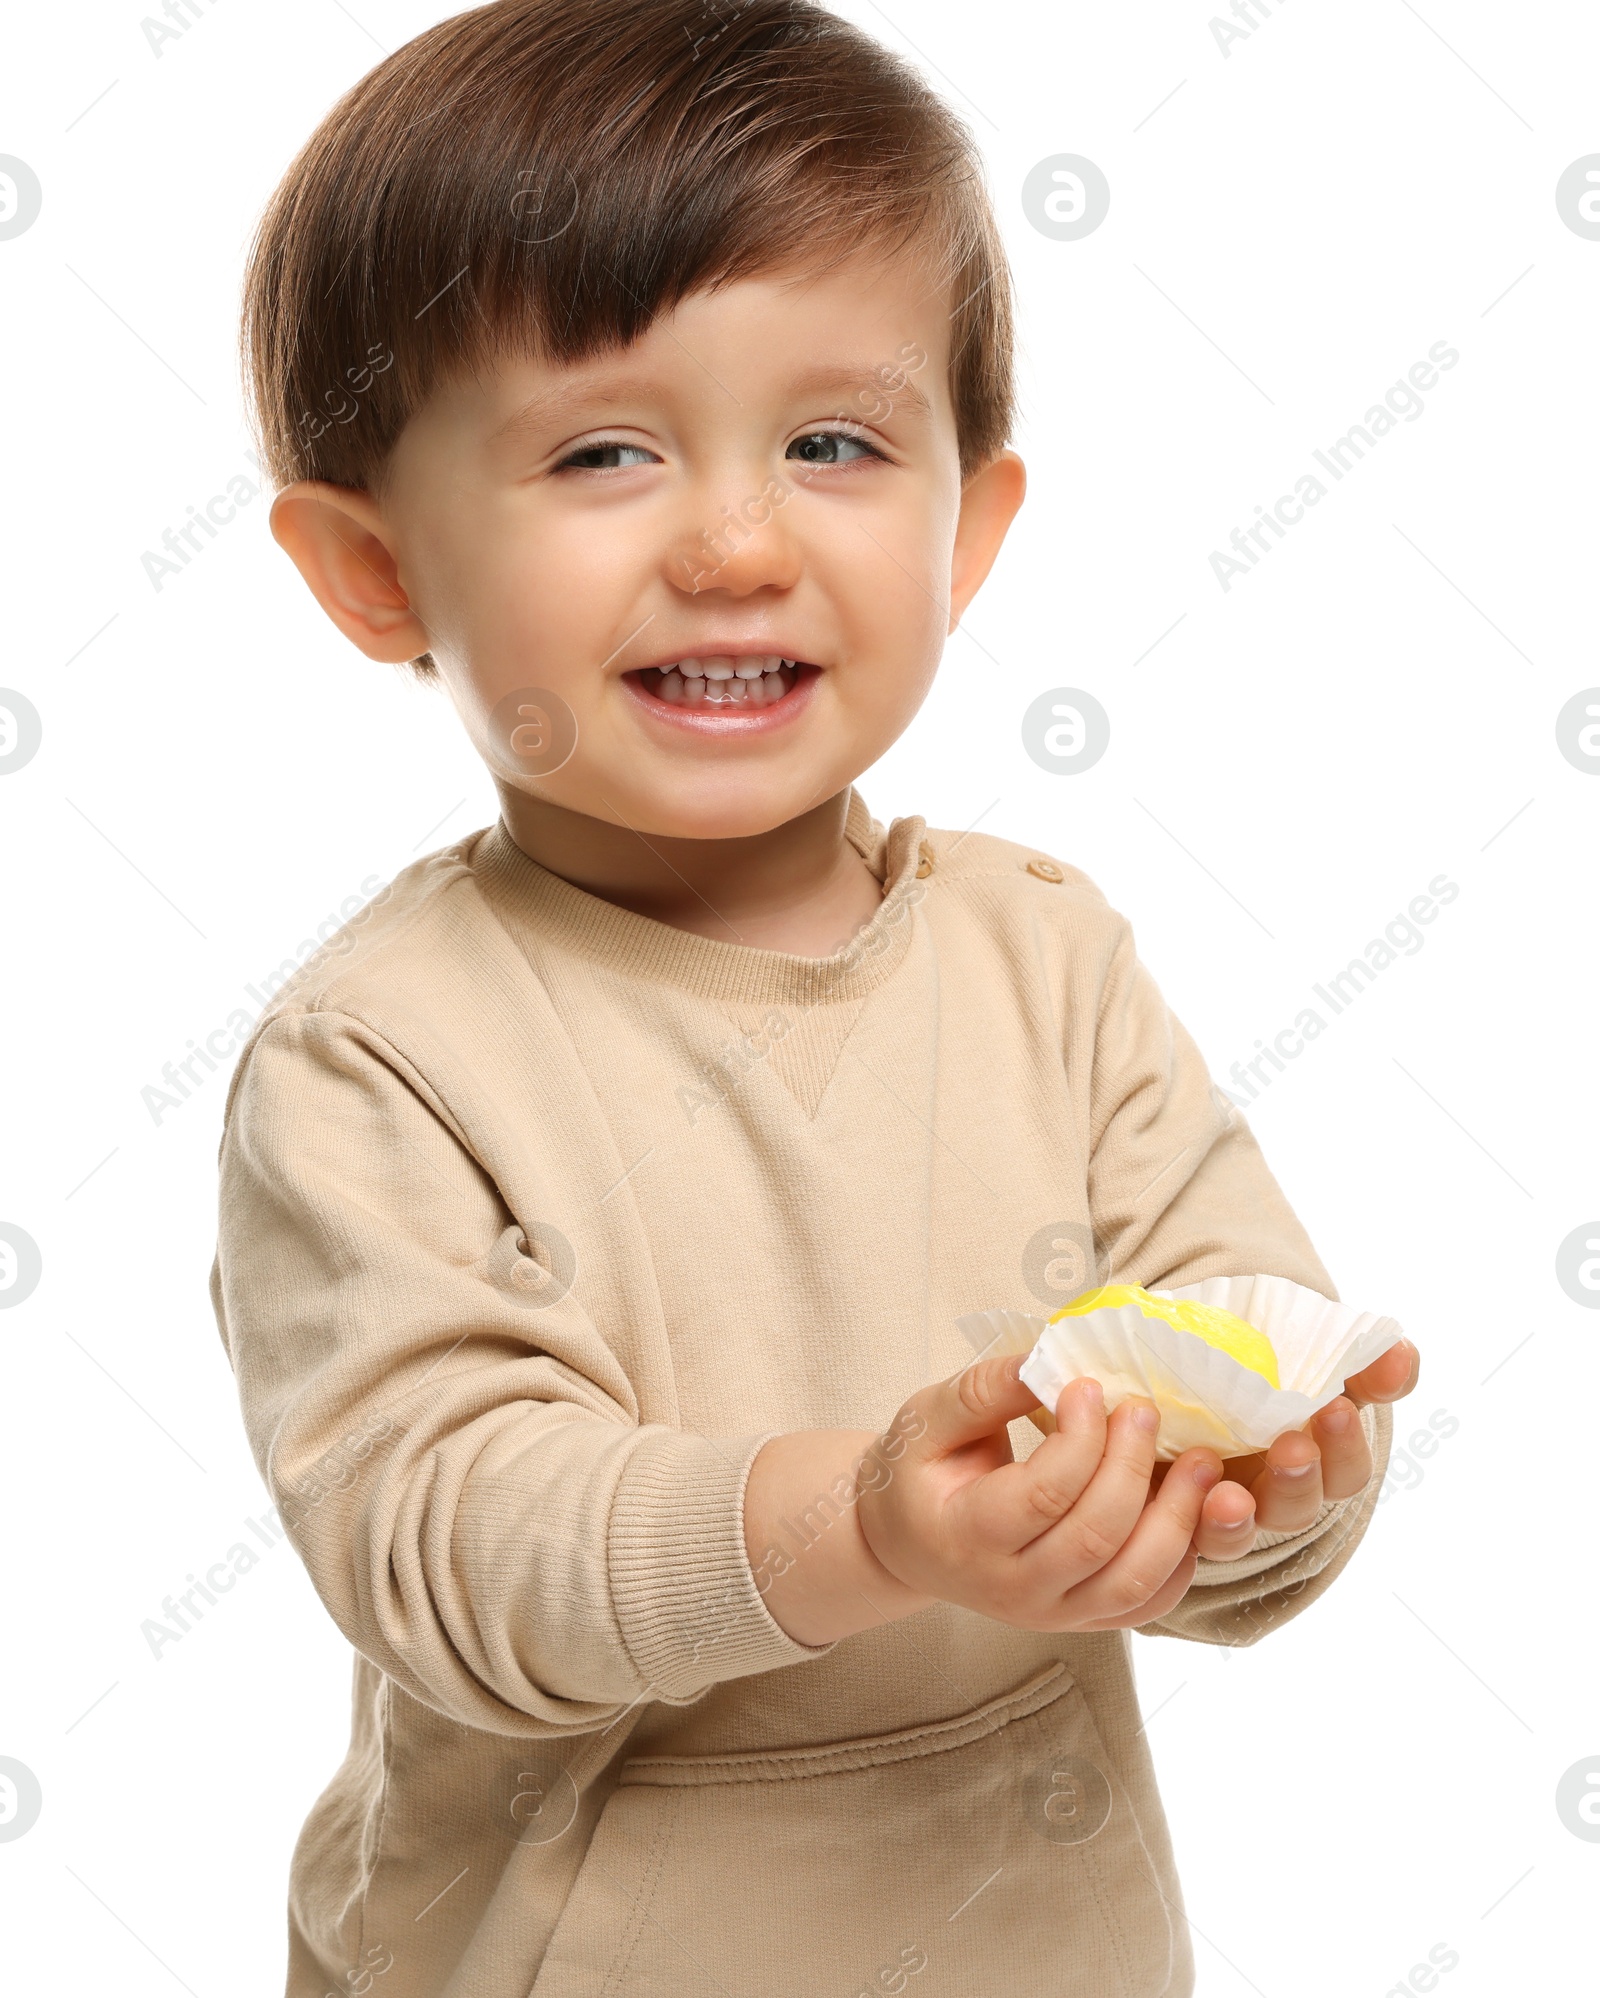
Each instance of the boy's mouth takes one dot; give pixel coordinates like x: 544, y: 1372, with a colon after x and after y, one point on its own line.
x: 722, y: 682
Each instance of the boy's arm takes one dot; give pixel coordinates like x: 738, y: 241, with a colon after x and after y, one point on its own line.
x: 1178, y: 1191
x: 460, y: 1464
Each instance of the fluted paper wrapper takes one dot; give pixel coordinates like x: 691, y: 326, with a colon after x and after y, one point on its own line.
x: 1204, y: 1395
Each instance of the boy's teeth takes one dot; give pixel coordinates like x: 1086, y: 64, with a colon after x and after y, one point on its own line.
x: 722, y: 666
x: 725, y: 681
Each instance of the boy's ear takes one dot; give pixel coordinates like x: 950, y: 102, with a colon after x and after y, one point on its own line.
x: 989, y: 503
x: 336, y: 537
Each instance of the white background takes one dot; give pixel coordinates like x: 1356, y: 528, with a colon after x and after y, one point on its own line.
x: 1292, y: 760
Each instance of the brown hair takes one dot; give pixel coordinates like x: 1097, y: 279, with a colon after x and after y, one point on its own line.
x: 548, y: 176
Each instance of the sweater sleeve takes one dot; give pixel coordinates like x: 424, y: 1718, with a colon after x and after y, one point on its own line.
x: 1178, y: 1191
x: 453, y: 1448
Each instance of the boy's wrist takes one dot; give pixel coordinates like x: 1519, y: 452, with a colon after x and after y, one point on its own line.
x: 816, y: 1572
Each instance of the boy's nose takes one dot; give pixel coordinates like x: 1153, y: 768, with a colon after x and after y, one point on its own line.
x: 741, y: 544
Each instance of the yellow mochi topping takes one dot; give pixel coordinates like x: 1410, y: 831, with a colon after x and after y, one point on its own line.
x: 1241, y: 1341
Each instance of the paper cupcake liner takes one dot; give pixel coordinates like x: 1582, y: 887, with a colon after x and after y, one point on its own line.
x: 1204, y: 1395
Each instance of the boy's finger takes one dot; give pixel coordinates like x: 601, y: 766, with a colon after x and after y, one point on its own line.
x: 977, y: 1402
x: 1289, y: 1490
x: 1134, y: 1577
x: 1391, y: 1376
x: 1346, y: 1458
x: 1227, y: 1528
x: 1168, y: 1596
x: 1101, y: 1519
x: 1015, y: 1503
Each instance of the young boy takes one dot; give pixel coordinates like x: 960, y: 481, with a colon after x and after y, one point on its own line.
x: 597, y: 1212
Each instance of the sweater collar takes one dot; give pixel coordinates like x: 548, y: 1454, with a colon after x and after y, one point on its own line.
x: 542, y: 911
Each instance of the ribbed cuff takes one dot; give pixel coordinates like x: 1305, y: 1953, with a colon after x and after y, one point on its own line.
x: 685, y: 1599
x: 1327, y: 1512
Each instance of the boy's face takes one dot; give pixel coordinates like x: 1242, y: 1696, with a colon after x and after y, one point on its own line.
x: 768, y: 474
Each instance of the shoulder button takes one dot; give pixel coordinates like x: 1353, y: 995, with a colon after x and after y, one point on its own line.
x: 1046, y: 870
x: 924, y: 860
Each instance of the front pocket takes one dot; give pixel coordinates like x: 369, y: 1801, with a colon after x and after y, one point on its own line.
x: 995, y: 1851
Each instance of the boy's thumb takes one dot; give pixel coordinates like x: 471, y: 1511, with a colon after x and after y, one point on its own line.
x: 982, y: 1398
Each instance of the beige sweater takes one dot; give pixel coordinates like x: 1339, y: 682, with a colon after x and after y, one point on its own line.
x: 537, y: 1217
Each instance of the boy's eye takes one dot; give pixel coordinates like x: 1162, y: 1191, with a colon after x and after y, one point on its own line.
x: 817, y: 447
x: 831, y: 447
x: 602, y: 457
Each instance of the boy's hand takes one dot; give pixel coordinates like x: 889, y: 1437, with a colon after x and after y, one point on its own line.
x: 1072, y: 1539
x: 1281, y: 1488
x: 1090, y: 1533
